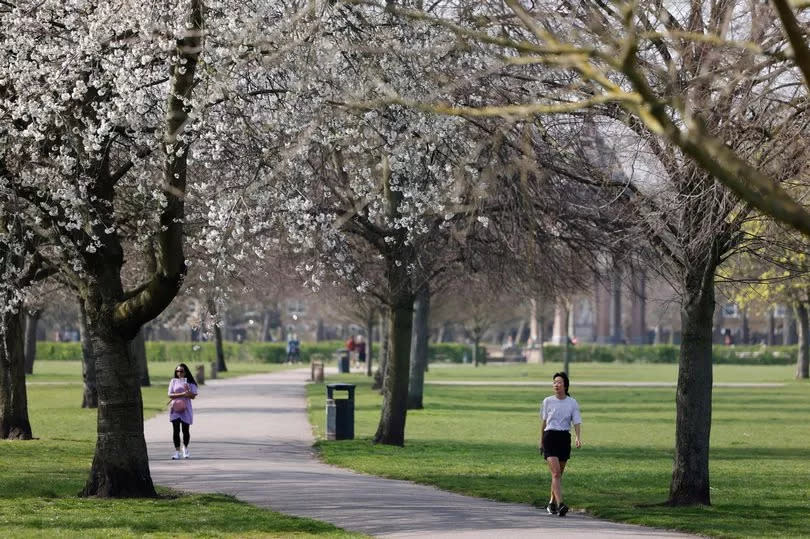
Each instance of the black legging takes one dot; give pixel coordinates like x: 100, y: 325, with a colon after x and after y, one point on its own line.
x: 176, y: 433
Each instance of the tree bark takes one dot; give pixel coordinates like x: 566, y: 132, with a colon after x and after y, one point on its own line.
x: 789, y: 331
x: 803, y: 327
x: 31, y: 321
x: 89, y: 395
x: 14, y: 422
x: 137, y: 350
x: 221, y: 367
x: 212, y: 308
x: 419, y: 348
x: 391, y: 429
x: 693, y: 400
x: 120, y: 465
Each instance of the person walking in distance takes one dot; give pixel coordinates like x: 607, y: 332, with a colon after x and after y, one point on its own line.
x: 182, y: 389
x: 558, y: 413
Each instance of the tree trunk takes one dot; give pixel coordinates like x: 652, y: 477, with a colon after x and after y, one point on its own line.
x: 419, y: 348
x: 475, y: 352
x: 89, y: 394
x: 803, y: 327
x: 266, y: 327
x: 120, y: 465
x: 690, y: 472
x: 519, y: 335
x: 14, y: 423
x: 541, y: 337
x: 31, y: 321
x: 391, y: 429
x: 369, y: 341
x: 790, y: 331
x: 212, y: 308
x: 221, y: 367
x: 137, y: 350
x: 771, y: 337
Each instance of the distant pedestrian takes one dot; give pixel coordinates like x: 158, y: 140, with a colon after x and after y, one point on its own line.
x: 182, y: 389
x: 351, y: 348
x: 558, y: 413
x: 360, y: 346
x: 293, y: 349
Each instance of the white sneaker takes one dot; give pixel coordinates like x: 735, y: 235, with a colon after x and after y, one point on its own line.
x: 186, y: 454
x: 176, y: 455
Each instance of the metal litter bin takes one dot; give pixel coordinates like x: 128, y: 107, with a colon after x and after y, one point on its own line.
x: 339, y: 413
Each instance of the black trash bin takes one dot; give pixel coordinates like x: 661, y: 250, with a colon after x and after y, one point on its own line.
x: 343, y: 361
x: 339, y: 413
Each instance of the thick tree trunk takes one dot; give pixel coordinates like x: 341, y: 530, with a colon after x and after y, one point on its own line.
x: 690, y: 472
x: 31, y: 321
x: 89, y: 394
x: 419, y: 348
x: 475, y: 351
x: 137, y: 350
x: 803, y: 327
x: 391, y: 429
x: 120, y: 465
x: 14, y: 423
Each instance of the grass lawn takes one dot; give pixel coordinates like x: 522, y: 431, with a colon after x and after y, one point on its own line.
x: 482, y: 441
x: 607, y: 372
x: 39, y: 479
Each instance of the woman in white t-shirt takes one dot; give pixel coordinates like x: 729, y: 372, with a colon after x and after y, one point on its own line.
x: 558, y: 413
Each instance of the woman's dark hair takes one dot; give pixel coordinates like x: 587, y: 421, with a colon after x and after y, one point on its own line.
x: 564, y: 376
x: 190, y: 377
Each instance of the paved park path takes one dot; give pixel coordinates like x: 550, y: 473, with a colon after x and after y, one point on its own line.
x: 251, y: 439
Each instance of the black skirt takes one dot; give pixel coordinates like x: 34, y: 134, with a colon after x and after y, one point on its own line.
x: 557, y: 443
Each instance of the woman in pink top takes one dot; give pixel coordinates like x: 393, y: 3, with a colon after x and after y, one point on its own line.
x: 182, y: 389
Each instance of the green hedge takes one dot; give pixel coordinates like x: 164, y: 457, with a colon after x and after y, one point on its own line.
x: 276, y: 352
x: 667, y: 353
x: 453, y: 352
x: 267, y: 352
x: 199, y: 352
x: 59, y: 351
